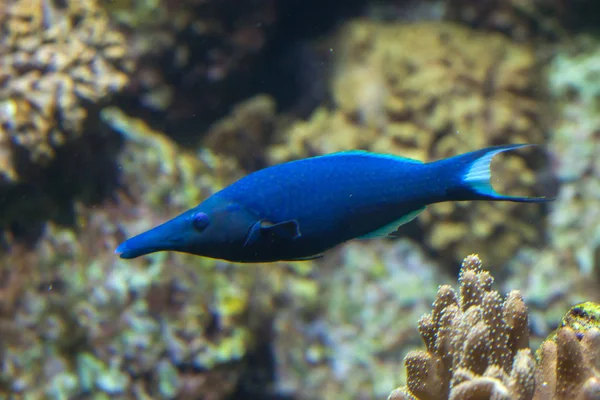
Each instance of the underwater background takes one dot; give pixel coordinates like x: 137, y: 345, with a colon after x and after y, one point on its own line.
x: 116, y: 115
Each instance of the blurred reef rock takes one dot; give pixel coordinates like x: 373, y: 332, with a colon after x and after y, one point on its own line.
x: 245, y: 133
x: 58, y: 60
x: 63, y: 61
x: 573, y: 80
x: 550, y: 281
x: 196, y: 58
x: 78, y: 321
x: 349, y: 346
x: 429, y: 91
x: 117, y: 115
x: 477, y: 347
x: 520, y: 19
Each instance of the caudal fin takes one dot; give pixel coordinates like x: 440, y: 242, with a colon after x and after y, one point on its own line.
x: 476, y: 175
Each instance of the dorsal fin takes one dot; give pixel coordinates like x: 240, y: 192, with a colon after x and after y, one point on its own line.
x: 370, y: 154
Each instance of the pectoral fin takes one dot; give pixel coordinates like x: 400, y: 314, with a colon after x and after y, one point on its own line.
x: 287, y: 230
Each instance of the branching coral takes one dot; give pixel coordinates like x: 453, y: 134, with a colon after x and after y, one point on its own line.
x: 477, y: 347
x: 476, y: 344
x: 58, y: 58
x: 430, y: 91
x: 569, y: 362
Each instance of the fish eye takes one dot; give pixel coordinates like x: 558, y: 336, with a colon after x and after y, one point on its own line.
x: 200, y: 221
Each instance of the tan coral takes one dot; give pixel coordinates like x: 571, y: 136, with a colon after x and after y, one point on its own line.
x: 568, y: 367
x: 57, y: 60
x: 429, y: 91
x: 477, y: 347
x: 569, y: 360
x: 476, y: 344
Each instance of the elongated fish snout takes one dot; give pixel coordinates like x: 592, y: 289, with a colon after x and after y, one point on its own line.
x: 135, y: 247
x: 168, y: 236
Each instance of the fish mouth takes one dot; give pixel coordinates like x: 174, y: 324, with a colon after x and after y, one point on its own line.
x: 139, y: 246
x: 168, y: 236
x: 126, y: 251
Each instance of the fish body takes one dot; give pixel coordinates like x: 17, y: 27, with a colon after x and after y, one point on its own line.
x: 300, y: 209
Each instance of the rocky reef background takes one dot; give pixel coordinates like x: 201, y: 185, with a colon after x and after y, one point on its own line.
x: 115, y: 115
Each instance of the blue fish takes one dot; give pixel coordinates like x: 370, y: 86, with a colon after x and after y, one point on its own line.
x: 300, y: 209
